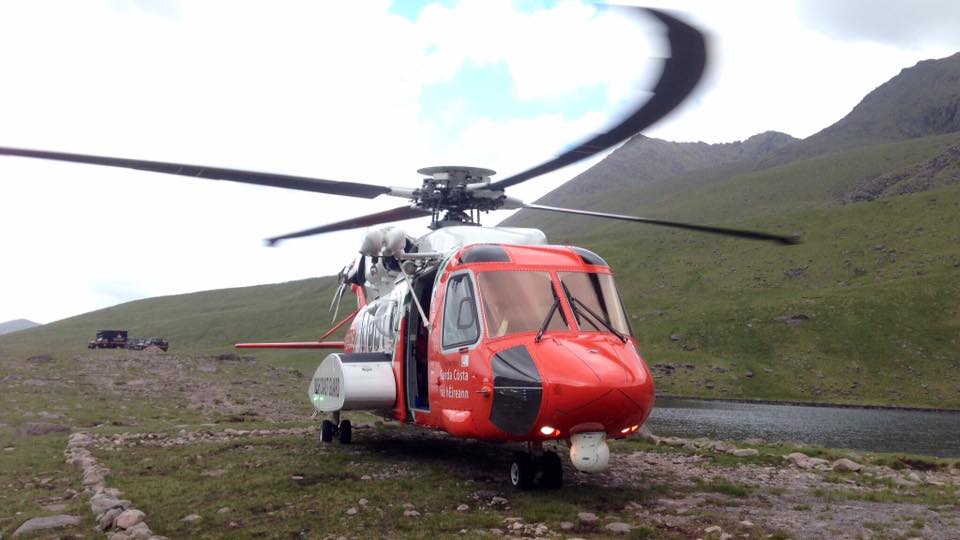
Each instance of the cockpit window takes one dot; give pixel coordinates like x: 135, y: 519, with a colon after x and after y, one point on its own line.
x: 515, y: 301
x: 598, y: 294
x: 461, y: 326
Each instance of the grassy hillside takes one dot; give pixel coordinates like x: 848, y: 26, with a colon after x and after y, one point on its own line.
x: 205, y: 322
x: 873, y: 291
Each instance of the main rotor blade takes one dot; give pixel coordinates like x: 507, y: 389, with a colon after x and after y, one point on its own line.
x: 395, y: 214
x: 681, y: 72
x: 739, y: 233
x: 333, y: 187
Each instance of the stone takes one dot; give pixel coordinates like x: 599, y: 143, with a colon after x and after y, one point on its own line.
x: 105, y: 520
x: 675, y: 337
x: 587, y: 518
x: 69, y: 494
x: 847, y: 465
x: 566, y: 525
x: 725, y: 536
x: 366, y: 477
x: 129, y: 518
x: 79, y: 439
x: 140, y: 531
x: 746, y: 524
x: 498, y: 500
x: 102, y: 502
x: 618, y: 527
x: 45, y: 523
x: 463, y: 508
x: 745, y: 452
x: 411, y: 513
x: 793, y: 320
x: 192, y: 518
x: 713, y: 529
x: 352, y: 511
x: 224, y: 510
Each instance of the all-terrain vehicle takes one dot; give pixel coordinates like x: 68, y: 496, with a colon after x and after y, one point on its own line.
x: 109, y: 339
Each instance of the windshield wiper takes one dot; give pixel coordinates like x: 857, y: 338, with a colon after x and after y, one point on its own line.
x: 577, y: 305
x: 546, y: 322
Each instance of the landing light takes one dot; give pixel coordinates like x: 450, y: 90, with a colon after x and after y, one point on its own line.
x: 549, y: 431
x: 630, y: 429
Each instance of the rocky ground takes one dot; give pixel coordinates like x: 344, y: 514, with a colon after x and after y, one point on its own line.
x: 150, y: 445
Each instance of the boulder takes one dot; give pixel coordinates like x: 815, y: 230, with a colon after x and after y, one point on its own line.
x: 587, y: 518
x: 105, y: 520
x: 140, y: 531
x: 45, y: 523
x: 618, y: 527
x: 129, y: 518
x: 847, y: 465
x: 745, y: 452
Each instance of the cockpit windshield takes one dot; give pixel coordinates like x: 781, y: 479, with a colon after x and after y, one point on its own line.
x: 598, y: 294
x: 519, y: 301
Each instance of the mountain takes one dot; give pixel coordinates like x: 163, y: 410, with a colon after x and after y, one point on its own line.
x: 922, y: 100
x: 16, y: 325
x: 659, y: 159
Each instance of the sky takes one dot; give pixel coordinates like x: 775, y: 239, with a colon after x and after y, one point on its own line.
x: 369, y: 92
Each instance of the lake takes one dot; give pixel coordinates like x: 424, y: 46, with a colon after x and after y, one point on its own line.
x: 874, y: 430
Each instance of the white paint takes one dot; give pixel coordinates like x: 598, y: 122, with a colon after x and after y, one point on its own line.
x: 339, y: 385
x: 589, y: 451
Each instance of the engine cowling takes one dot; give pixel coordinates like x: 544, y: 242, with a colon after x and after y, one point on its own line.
x: 353, y: 381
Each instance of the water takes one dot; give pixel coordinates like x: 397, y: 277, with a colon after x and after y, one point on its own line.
x: 873, y: 430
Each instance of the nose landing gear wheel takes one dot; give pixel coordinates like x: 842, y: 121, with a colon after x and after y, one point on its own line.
x: 326, y: 431
x: 521, y: 471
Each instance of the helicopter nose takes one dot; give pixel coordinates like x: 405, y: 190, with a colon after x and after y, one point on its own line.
x: 595, y: 384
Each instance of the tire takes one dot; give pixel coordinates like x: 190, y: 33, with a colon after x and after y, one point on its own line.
x: 521, y: 471
x: 346, y: 432
x: 326, y: 431
x: 551, y: 469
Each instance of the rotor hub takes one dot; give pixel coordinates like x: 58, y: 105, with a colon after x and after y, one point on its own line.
x: 457, y: 191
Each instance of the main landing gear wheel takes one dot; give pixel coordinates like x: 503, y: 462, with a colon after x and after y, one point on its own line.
x: 551, y: 470
x: 345, y: 433
x: 522, y: 471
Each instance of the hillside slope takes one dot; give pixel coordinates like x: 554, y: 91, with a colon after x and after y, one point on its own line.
x: 203, y: 322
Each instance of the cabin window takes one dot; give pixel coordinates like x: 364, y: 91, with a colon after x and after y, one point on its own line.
x: 461, y: 326
x: 599, y: 293
x: 516, y: 301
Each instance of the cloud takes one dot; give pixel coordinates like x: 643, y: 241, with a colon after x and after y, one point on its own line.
x: 913, y: 25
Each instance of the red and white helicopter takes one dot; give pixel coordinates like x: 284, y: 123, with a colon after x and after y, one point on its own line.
x: 487, y: 333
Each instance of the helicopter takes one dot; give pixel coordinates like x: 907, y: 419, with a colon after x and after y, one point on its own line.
x: 487, y: 333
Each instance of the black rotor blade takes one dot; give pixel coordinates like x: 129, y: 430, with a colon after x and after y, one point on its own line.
x: 394, y: 214
x: 681, y: 72
x: 739, y: 233
x: 333, y: 187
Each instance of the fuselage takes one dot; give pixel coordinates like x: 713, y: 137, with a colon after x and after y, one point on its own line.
x: 523, y: 342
